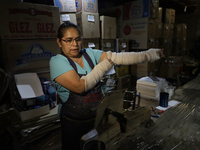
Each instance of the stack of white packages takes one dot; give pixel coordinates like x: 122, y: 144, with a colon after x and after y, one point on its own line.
x: 150, y: 87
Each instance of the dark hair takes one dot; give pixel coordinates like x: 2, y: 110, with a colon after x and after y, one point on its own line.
x: 65, y: 26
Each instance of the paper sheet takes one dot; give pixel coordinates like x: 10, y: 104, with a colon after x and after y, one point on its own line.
x: 171, y: 103
x: 25, y: 91
x: 111, y: 71
x: 28, y: 85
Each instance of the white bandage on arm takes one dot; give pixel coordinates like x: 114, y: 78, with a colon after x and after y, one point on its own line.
x: 127, y: 58
x: 96, y: 74
x: 152, y: 54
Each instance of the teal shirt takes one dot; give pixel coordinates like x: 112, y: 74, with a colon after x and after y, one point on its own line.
x: 59, y: 65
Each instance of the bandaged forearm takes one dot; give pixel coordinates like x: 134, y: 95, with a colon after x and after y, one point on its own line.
x: 128, y: 58
x: 96, y: 74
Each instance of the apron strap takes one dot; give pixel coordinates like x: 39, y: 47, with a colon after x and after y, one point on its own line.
x: 87, y: 57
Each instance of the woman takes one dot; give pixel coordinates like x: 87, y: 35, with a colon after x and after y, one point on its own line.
x: 76, y: 74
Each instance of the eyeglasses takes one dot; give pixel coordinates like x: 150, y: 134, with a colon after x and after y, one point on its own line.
x: 71, y: 40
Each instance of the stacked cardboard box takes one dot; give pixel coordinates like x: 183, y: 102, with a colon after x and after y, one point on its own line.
x: 85, y: 14
x: 88, y: 20
x: 67, y: 10
x: 87, y: 6
x: 180, y: 39
x: 28, y: 36
x: 28, y: 40
x: 136, y: 26
x: 140, y: 24
x: 109, y: 42
x: 68, y: 17
x: 107, y: 33
x: 145, y: 69
x: 116, y: 12
x: 171, y: 67
x: 122, y: 71
x: 152, y: 27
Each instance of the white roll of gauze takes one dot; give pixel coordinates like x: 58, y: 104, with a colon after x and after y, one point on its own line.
x: 128, y: 58
x: 92, y: 78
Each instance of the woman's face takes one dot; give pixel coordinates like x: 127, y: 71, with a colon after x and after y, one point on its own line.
x: 70, y: 42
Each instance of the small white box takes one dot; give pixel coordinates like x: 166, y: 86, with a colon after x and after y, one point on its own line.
x: 30, y: 114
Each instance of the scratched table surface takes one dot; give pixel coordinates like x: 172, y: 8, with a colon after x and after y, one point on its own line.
x: 178, y: 128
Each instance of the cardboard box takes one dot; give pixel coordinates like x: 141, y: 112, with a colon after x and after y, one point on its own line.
x: 145, y: 69
x: 154, y: 9
x: 139, y: 31
x: 154, y: 43
x: 133, y: 69
x: 87, y: 6
x: 27, y: 55
x: 167, y: 46
x: 159, y: 42
x: 168, y: 30
x: 154, y: 12
x: 155, y: 3
x: 136, y: 30
x: 28, y: 21
x: 180, y: 30
x: 159, y: 30
x: 146, y: 66
x: 123, y: 82
x: 116, y: 12
x: 152, y: 28
x: 108, y: 27
x: 33, y: 113
x: 92, y: 43
x: 108, y: 45
x: 168, y: 15
x: 89, y: 24
x: 119, y: 30
x: 121, y: 45
x: 136, y: 9
x: 179, y: 46
x: 65, y: 5
x: 121, y: 70
x: 141, y: 74
x: 160, y: 11
x: 171, y: 67
x: 183, y: 42
x: 68, y: 17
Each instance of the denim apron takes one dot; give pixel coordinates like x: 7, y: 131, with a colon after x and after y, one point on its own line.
x: 79, y: 111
